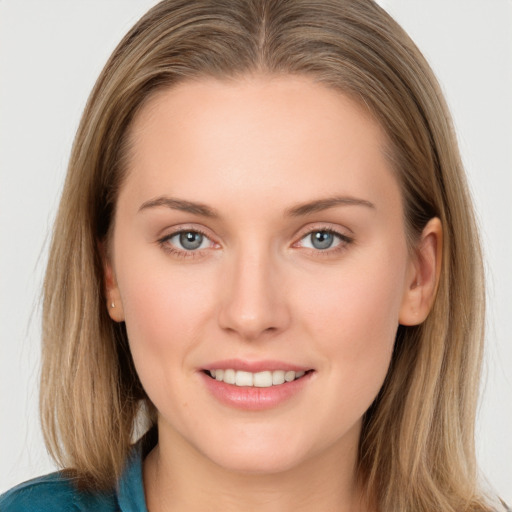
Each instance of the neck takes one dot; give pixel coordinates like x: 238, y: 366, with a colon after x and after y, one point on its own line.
x: 179, y: 478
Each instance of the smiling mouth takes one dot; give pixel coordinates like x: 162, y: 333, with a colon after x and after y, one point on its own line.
x: 264, y: 379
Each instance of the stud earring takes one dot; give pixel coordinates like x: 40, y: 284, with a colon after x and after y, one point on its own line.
x: 112, y: 304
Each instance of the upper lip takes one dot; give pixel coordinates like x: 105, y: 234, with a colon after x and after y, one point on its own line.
x: 254, y: 366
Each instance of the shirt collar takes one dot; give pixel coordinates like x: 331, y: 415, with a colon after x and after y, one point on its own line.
x: 130, y: 487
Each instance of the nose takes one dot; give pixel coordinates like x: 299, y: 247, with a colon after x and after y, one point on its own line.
x: 254, y: 300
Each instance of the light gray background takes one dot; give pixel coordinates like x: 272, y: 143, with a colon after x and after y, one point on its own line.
x: 51, y: 52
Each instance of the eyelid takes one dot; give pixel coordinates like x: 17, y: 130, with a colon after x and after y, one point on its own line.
x: 170, y: 231
x: 337, y: 231
x: 188, y: 228
x: 327, y: 227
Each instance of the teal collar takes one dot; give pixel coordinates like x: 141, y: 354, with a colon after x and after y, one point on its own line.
x: 130, y: 488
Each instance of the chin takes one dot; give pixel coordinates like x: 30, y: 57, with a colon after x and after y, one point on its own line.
x: 257, y: 463
x: 257, y: 456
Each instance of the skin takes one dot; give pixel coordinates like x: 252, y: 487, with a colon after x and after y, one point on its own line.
x: 252, y: 150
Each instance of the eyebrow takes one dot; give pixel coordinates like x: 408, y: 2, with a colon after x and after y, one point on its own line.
x: 295, y: 211
x: 325, y: 204
x: 182, y: 205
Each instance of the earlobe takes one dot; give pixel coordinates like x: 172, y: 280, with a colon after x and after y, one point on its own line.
x: 423, y: 275
x: 113, y: 298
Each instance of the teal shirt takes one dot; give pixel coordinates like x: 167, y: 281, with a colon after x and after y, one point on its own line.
x: 56, y: 493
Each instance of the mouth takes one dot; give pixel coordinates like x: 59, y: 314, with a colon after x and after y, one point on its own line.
x: 255, y: 385
x: 262, y: 379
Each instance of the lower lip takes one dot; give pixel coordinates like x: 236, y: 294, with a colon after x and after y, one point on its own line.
x: 253, y: 398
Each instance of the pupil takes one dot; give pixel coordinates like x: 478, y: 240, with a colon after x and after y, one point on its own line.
x: 191, y: 240
x: 322, y: 239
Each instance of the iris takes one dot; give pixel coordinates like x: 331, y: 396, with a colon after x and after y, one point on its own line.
x: 321, y: 239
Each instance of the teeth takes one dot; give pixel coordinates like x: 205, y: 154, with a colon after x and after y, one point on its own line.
x: 289, y: 376
x: 263, y: 379
x: 243, y: 378
x: 278, y: 377
x: 229, y: 376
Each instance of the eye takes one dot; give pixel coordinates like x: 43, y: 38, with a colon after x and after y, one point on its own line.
x: 324, y: 239
x: 188, y: 240
x: 321, y: 239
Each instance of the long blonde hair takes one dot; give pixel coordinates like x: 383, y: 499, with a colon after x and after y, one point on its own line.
x: 417, y: 443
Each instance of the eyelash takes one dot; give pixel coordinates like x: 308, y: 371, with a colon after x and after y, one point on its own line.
x: 344, y: 241
x: 189, y: 254
x: 182, y: 253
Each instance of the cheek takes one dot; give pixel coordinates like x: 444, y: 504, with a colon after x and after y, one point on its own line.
x: 165, y: 312
x: 353, y: 320
x: 166, y: 315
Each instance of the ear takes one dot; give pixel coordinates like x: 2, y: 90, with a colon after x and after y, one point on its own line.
x: 113, y: 297
x: 423, y: 275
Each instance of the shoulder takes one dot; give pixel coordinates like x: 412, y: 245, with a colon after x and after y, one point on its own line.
x: 55, y: 493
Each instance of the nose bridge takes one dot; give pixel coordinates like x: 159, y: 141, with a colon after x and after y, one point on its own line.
x: 254, y: 302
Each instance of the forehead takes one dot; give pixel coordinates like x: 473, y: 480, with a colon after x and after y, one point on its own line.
x: 251, y: 135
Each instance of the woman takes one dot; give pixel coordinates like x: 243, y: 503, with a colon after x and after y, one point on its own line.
x: 265, y: 254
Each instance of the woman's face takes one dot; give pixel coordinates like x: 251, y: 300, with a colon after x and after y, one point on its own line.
x: 259, y: 233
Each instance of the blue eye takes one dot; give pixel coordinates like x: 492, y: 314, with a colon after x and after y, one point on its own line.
x: 189, y: 240
x: 323, y: 239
